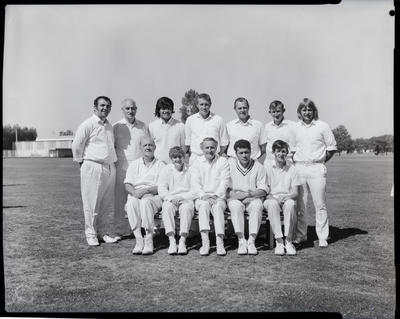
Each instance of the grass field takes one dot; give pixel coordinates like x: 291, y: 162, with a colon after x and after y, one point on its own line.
x: 48, y: 266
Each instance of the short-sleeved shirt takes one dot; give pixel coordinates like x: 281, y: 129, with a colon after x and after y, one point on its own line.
x: 197, y: 128
x: 94, y: 140
x: 127, y: 141
x: 210, y: 178
x: 173, y: 183
x: 250, y: 131
x: 166, y: 135
x: 139, y: 175
x: 246, y: 179
x: 282, y: 180
x: 272, y: 132
x: 312, y: 141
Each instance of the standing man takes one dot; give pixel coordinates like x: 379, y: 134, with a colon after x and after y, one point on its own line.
x: 277, y: 129
x: 209, y: 183
x: 93, y: 149
x: 204, y: 124
x: 247, y: 192
x: 245, y: 127
x: 315, y: 145
x: 143, y: 200
x: 128, y: 133
x: 166, y: 131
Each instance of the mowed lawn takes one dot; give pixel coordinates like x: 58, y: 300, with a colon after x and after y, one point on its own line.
x: 48, y: 266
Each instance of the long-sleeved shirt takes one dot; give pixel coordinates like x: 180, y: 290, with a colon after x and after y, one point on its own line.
x: 272, y: 132
x: 127, y: 141
x: 94, y: 140
x: 246, y: 179
x: 210, y: 178
x: 250, y: 131
x: 197, y: 128
x: 312, y: 141
x: 166, y: 135
x: 173, y: 183
x: 139, y: 175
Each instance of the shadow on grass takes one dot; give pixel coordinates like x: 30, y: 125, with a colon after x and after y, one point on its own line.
x: 16, y: 206
x: 13, y: 185
x: 335, y: 234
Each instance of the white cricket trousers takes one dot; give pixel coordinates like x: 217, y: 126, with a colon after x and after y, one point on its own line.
x: 186, y: 211
x: 97, y: 189
x: 141, y: 211
x: 313, y: 177
x: 237, y: 209
x: 218, y: 212
x: 121, y: 196
x: 273, y: 208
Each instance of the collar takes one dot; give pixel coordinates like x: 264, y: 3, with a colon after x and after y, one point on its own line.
x: 284, y: 168
x: 99, y: 120
x: 170, y: 121
x: 308, y: 125
x: 284, y: 122
x: 242, y: 170
x: 151, y: 163
x: 210, y: 116
x: 125, y: 121
x: 248, y: 122
x: 203, y: 159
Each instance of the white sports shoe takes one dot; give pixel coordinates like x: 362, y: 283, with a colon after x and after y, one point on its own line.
x: 205, y: 248
x: 182, y: 248
x: 251, y: 248
x: 290, y: 249
x: 242, y: 250
x: 110, y: 240
x: 148, y: 245
x: 279, y: 249
x: 323, y: 243
x: 172, y: 248
x: 92, y: 241
x: 138, y: 247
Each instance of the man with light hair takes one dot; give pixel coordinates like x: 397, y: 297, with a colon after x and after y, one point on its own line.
x: 93, y: 149
x: 143, y: 201
x: 246, y: 128
x: 246, y: 193
x: 128, y: 132
x: 277, y: 129
x: 174, y: 189
x: 209, y: 182
x: 166, y: 131
x: 315, y: 145
x: 204, y: 124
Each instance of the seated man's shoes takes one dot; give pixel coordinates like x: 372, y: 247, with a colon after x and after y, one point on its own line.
x: 251, y: 248
x: 205, y: 249
x: 242, y: 249
x: 182, y: 250
x: 138, y: 247
x: 172, y: 248
x: 279, y: 249
x: 290, y: 249
x: 323, y: 243
x: 92, y: 241
x: 148, y: 245
x: 110, y: 240
x: 221, y: 250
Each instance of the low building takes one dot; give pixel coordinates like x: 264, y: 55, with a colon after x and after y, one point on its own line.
x: 52, y: 147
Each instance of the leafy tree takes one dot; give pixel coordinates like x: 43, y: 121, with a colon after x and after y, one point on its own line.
x: 188, y: 104
x: 361, y: 145
x: 343, y: 139
x: 24, y: 134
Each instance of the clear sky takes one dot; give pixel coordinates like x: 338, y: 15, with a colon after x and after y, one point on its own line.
x: 59, y: 58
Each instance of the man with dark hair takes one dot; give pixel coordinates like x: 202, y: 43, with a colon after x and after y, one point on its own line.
x: 283, y: 182
x: 315, y: 144
x: 247, y: 191
x: 166, y: 131
x: 93, y: 149
x: 128, y: 132
x: 245, y: 127
x: 204, y: 124
x: 209, y: 182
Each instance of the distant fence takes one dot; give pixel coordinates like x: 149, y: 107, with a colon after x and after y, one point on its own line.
x: 41, y: 148
x: 8, y: 153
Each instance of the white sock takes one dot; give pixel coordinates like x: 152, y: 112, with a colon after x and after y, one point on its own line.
x: 252, y: 239
x: 279, y: 240
x: 220, y: 240
x: 182, y: 239
x: 138, y: 233
x: 172, y: 239
x: 204, y: 237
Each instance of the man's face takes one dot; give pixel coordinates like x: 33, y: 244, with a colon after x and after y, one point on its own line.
x: 307, y: 114
x: 280, y: 155
x: 129, y: 110
x: 178, y: 162
x: 204, y: 107
x: 209, y: 149
x: 242, y: 110
x: 102, y: 109
x: 148, y: 147
x: 165, y: 114
x: 277, y: 114
x: 243, y: 155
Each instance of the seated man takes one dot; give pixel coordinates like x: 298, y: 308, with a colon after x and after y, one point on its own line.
x: 174, y: 189
x: 209, y: 182
x: 143, y: 201
x: 247, y: 192
x: 283, y: 182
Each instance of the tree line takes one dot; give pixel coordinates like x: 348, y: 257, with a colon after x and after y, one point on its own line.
x: 23, y: 134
